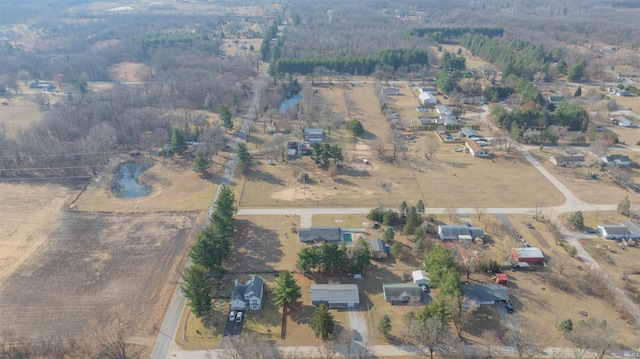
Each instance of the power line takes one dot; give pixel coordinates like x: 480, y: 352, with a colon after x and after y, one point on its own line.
x: 65, y: 154
x: 49, y: 168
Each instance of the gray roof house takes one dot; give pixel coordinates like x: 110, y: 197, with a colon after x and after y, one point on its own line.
x: 567, y: 161
x: 614, y: 231
x: 443, y: 110
x: 377, y: 248
x: 391, y: 91
x: 312, y: 234
x: 248, y: 294
x: 402, y: 293
x: 335, y: 295
x: 633, y: 228
x: 486, y: 294
x: 615, y: 160
x: 448, y: 233
x: 469, y: 133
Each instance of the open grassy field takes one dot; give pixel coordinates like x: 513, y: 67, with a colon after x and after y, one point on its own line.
x: 125, y: 71
x: 62, y: 270
x: 14, y: 118
x: 597, y: 191
x: 231, y: 48
x: 175, y: 187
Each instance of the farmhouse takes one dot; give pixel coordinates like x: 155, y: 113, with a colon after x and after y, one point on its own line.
x: 377, y: 248
x: 469, y: 133
x: 614, y: 231
x: 392, y: 91
x: 567, y: 161
x: 486, y: 294
x: 249, y: 294
x: 448, y: 233
x: 427, y: 99
x: 527, y: 254
x: 420, y: 277
x: 313, y: 135
x: 335, y: 295
x: 615, y: 160
x: 475, y: 149
x: 443, y: 110
x: 402, y: 293
x: 313, y: 234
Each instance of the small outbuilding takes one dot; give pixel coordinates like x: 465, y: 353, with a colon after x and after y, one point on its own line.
x: 420, y: 277
x: 377, y: 248
x: 501, y: 278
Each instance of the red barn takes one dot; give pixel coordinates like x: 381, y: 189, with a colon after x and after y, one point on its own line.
x: 530, y: 255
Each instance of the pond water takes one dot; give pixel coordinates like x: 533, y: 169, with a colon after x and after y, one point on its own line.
x: 290, y: 101
x: 126, y: 184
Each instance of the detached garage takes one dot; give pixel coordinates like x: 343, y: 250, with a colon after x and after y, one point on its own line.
x: 527, y: 254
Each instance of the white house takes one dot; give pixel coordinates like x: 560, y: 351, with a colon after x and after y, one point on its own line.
x: 248, y: 295
x: 427, y: 99
x: 475, y: 149
x: 567, y: 161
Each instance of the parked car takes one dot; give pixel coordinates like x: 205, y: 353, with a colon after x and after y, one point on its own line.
x: 590, y: 231
x: 509, y: 308
x: 239, y: 317
x: 232, y: 316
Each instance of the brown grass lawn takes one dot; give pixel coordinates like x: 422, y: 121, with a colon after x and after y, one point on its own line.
x: 265, y: 243
x: 342, y: 220
x: 15, y: 117
x: 449, y: 179
x: 175, y: 188
x: 631, y: 102
x: 597, y: 191
x: 630, y: 136
x: 125, y: 71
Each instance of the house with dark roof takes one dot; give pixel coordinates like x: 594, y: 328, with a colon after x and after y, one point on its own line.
x: 392, y: 91
x: 609, y: 231
x: 402, y: 293
x: 248, y: 295
x: 486, y: 294
x: 448, y: 233
x: 335, y: 295
x: 377, y: 248
x: 615, y: 160
x: 320, y: 233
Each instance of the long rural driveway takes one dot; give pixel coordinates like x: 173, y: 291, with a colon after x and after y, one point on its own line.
x: 169, y: 328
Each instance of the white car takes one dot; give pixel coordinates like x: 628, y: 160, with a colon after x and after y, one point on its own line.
x: 232, y: 316
x: 239, y: 317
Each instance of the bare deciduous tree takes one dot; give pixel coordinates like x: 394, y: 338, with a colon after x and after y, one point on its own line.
x: 249, y: 346
x: 430, y: 332
x: 523, y: 339
x: 397, y: 142
x: 431, y: 146
x: 590, y: 334
x: 380, y: 147
x: 461, y: 310
x: 452, y: 213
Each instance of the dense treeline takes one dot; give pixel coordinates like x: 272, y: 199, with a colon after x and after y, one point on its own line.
x: 265, y: 47
x: 439, y: 34
x: 569, y: 115
x: 170, y: 38
x: 365, y: 65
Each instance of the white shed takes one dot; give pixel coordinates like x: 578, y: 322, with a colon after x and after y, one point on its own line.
x: 420, y: 277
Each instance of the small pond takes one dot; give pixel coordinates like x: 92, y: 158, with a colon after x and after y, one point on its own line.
x: 290, y: 101
x: 126, y: 183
